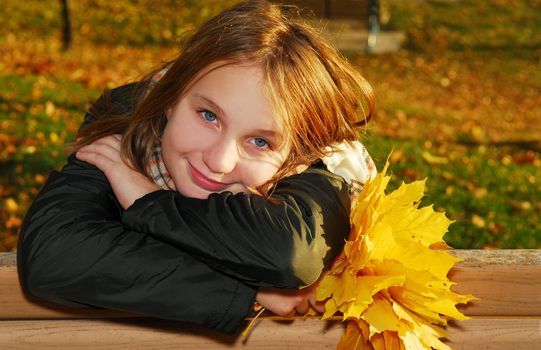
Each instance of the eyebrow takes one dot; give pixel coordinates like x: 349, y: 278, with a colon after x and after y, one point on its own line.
x: 212, y: 104
x: 263, y: 132
x: 267, y: 133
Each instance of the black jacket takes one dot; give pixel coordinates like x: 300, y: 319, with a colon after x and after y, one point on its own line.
x: 175, y: 257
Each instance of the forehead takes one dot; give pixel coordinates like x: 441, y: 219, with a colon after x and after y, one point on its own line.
x: 239, y: 92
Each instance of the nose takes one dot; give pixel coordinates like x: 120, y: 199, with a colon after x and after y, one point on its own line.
x: 221, y: 157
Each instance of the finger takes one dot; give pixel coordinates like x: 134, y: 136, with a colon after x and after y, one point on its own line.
x: 107, y: 147
x: 99, y: 160
x: 303, y: 307
x: 111, y: 140
x: 103, y: 148
x: 317, y: 305
x: 288, y: 314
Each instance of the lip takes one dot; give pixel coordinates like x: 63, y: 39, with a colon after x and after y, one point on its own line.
x: 204, y: 182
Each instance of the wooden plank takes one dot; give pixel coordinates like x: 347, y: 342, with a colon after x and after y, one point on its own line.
x: 483, y: 333
x: 149, y: 334
x: 507, y: 281
x: 8, y: 259
x: 480, y: 258
x: 496, y: 333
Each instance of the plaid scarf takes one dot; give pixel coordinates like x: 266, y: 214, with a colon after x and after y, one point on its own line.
x: 158, y: 172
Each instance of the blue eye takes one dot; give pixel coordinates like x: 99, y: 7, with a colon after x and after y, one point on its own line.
x: 209, y: 116
x: 259, y: 142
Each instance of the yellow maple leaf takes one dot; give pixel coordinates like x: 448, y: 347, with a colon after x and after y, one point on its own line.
x: 408, y: 194
x: 367, y: 287
x: 428, y: 334
x: 416, y: 257
x: 355, y: 337
x: 386, y: 341
x: 422, y: 225
x: 381, y: 317
x: 390, y: 282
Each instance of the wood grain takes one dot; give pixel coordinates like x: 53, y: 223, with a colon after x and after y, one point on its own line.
x: 507, y: 282
x: 508, y: 316
x: 482, y: 333
x: 492, y: 333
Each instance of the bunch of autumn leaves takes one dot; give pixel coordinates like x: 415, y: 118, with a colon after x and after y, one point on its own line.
x: 391, y: 281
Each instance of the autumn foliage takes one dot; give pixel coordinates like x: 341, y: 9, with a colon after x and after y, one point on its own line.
x: 459, y: 104
x: 391, y: 282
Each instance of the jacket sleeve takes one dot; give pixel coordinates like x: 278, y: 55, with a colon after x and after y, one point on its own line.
x: 285, y: 242
x: 74, y: 250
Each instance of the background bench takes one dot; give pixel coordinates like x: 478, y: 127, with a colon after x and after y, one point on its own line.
x: 353, y: 25
x: 508, y: 316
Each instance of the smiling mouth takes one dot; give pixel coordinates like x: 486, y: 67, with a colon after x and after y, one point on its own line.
x: 204, y: 182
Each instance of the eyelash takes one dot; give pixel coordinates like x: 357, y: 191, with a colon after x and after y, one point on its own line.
x: 267, y: 144
x: 204, y: 113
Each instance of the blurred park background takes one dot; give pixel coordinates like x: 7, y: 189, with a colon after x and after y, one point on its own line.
x: 460, y: 103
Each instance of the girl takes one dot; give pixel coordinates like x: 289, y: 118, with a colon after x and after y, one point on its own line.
x: 190, y: 194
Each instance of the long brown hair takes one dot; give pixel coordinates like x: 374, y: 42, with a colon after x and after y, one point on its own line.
x: 318, y: 97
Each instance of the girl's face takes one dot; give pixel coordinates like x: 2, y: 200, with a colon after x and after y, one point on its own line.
x: 221, y: 135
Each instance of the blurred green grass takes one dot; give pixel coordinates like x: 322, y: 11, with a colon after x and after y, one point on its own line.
x: 459, y: 105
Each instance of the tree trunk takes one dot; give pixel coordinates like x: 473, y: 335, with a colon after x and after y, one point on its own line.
x: 66, y: 25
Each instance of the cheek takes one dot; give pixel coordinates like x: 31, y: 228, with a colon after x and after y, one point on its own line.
x: 179, y: 137
x: 170, y: 143
x: 257, y: 173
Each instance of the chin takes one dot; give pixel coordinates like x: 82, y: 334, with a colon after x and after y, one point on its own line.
x: 193, y: 192
x: 200, y: 194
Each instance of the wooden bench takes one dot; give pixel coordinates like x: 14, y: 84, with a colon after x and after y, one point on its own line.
x: 508, y: 316
x: 345, y: 16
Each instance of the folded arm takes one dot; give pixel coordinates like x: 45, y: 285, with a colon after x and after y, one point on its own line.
x: 285, y: 243
x: 74, y: 250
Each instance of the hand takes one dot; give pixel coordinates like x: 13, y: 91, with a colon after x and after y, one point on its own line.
x: 289, y: 302
x: 127, y: 183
